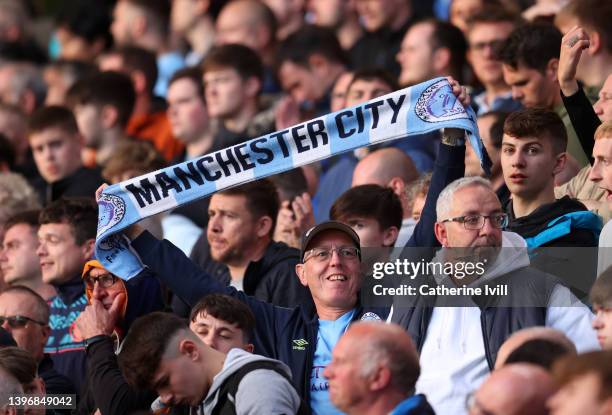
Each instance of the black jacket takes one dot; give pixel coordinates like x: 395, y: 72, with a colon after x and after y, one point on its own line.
x: 55, y: 382
x: 83, y: 182
x: 272, y: 279
x: 572, y: 256
x: 583, y: 118
x: 539, y: 220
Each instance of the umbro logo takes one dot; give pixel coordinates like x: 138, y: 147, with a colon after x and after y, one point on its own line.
x: 300, y: 344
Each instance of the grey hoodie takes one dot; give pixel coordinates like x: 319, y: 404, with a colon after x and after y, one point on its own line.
x: 261, y: 391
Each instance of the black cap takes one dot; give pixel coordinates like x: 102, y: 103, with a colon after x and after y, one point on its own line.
x: 311, y: 233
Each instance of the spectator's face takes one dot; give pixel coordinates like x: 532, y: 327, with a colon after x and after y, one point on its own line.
x: 179, y: 380
x: 485, y: 39
x: 61, y: 259
x: 471, y: 200
x: 415, y: 55
x: 91, y: 125
x: 375, y: 14
x: 57, y: 153
x: 532, y: 87
x: 31, y: 337
x: 347, y: 386
x: 301, y: 83
x: 284, y: 10
x: 472, y: 163
x: 184, y: 15
x: 603, y: 106
x: 56, y: 87
x: 529, y: 165
x: 338, y: 94
x: 106, y: 295
x: 225, y: 93
x: 234, y: 25
x: 328, y: 13
x: 122, y: 22
x: 602, y: 324
x: 370, y: 232
x: 362, y: 91
x: 186, y: 111
x: 7, y: 93
x: 578, y: 397
x: 76, y: 47
x: 219, y: 334
x: 18, y: 258
x: 601, y: 172
x: 333, y: 282
x: 231, y: 228
x: 462, y: 10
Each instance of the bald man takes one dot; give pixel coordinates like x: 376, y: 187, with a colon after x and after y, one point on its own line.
x: 249, y: 23
x: 517, y: 389
x: 374, y: 370
x: 522, y: 336
x: 390, y: 167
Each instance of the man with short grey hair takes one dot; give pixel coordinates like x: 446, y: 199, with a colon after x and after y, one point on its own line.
x: 374, y: 370
x: 458, y: 345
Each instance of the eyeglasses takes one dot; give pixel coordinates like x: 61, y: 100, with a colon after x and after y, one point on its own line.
x: 17, y: 322
x: 495, y: 45
x: 324, y: 254
x: 471, y: 403
x: 105, y: 281
x: 476, y: 222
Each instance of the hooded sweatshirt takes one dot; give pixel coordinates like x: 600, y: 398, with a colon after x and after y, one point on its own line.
x: 453, y: 355
x: 261, y: 391
x: 105, y: 388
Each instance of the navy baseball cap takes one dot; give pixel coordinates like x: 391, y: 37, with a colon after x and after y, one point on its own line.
x: 311, y: 233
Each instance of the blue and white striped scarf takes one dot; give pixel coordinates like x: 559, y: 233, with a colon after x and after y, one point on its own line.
x: 420, y: 109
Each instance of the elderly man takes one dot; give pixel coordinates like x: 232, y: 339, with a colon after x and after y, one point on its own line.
x: 458, y: 345
x: 374, y: 369
x: 102, y: 325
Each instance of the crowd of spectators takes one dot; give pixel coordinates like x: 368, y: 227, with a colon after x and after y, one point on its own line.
x: 255, y: 300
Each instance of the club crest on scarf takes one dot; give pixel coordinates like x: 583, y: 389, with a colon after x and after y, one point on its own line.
x: 437, y: 103
x: 111, y: 210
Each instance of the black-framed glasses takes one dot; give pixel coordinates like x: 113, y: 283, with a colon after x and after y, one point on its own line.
x: 17, y: 322
x: 476, y: 222
x: 472, y: 404
x: 105, y: 281
x: 325, y: 254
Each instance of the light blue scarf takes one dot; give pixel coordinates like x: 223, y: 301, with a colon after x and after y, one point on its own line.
x: 420, y: 109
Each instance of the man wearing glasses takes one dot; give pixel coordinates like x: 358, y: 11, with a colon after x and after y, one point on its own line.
x: 458, y: 344
x: 103, y: 325
x: 301, y: 337
x: 25, y: 315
